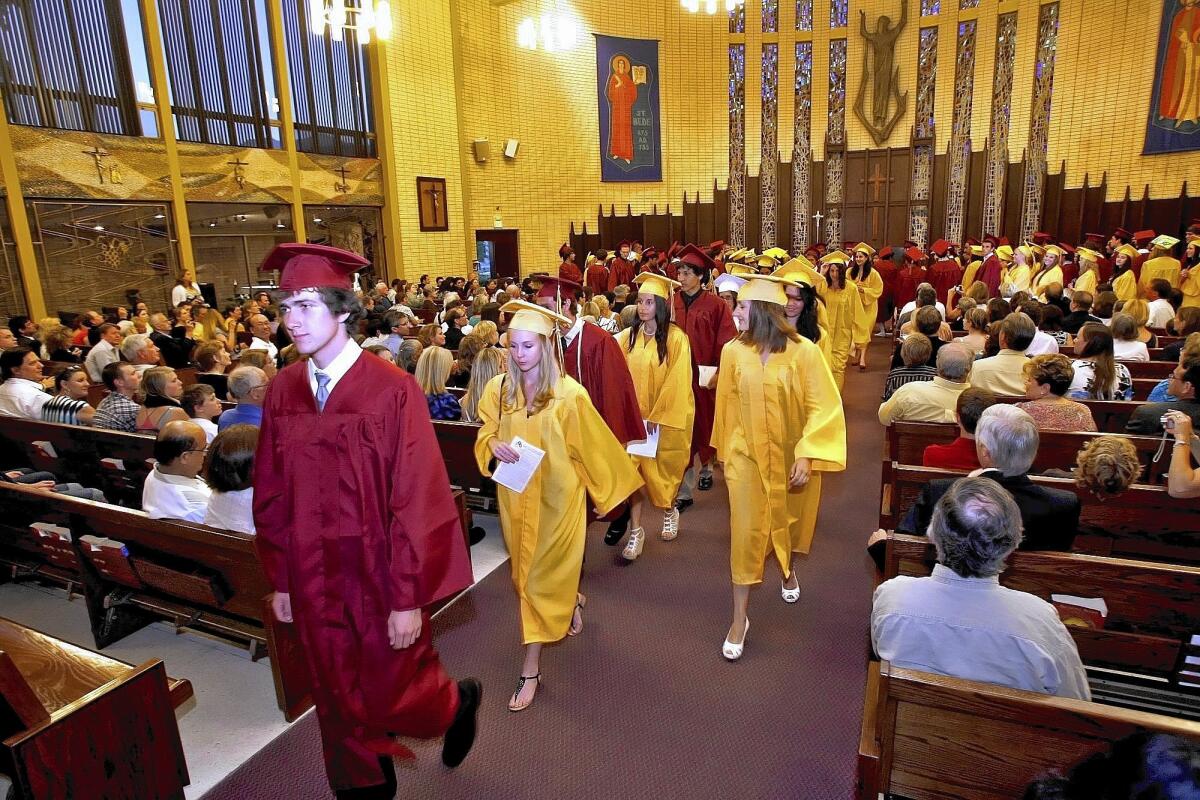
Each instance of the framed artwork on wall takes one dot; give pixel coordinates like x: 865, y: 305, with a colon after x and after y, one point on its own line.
x: 431, y: 204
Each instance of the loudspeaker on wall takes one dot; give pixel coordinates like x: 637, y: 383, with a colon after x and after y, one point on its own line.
x: 481, y: 148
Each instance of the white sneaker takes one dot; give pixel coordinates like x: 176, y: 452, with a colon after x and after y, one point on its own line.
x: 670, y: 528
x: 633, y: 547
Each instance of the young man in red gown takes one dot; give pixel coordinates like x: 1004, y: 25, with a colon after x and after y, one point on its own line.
x: 358, y: 533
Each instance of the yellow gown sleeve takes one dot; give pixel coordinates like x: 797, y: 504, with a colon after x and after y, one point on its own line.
x: 1189, y: 284
x: 872, y: 290
x: 969, y: 275
x: 674, y: 406
x: 1086, y: 282
x: 489, y: 415
x: 725, y: 418
x: 1125, y: 287
x: 603, y: 465
x: 825, y: 343
x: 824, y: 437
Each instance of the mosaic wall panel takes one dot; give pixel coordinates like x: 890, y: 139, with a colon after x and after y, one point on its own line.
x: 804, y: 15
x: 837, y: 92
x: 737, y: 145
x: 835, y: 176
x: 922, y: 179
x: 997, y: 152
x: 833, y: 229
x: 960, y: 134
x: 967, y: 5
x: 12, y: 289
x: 340, y: 181
x: 839, y: 13
x: 802, y: 149
x: 1039, y: 122
x: 737, y: 19
x: 768, y: 170
x: 926, y: 83
x: 56, y: 163
x: 918, y: 225
x: 930, y: 7
x: 770, y: 16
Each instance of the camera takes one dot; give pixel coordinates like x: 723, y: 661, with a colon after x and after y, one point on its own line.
x: 1167, y: 422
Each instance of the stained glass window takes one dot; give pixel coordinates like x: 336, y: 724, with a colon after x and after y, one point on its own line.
x: 837, y: 91
x: 966, y: 5
x: 960, y: 132
x: 804, y: 15
x: 926, y: 82
x: 737, y: 19
x: 1039, y: 121
x: 930, y: 7
x: 737, y: 145
x: 770, y: 16
x: 839, y: 13
x: 997, y: 154
x: 802, y: 149
x: 768, y: 170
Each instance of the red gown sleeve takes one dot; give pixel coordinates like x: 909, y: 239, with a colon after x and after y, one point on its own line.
x: 617, y: 399
x: 271, y: 518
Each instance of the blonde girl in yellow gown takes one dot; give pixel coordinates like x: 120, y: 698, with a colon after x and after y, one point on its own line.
x: 544, y: 525
x: 779, y: 425
x: 1050, y: 272
x: 1089, y: 271
x: 1189, y: 277
x: 660, y: 363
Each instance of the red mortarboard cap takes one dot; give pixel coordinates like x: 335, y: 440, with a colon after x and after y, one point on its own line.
x: 695, y: 257
x: 909, y: 243
x: 914, y: 254
x: 552, y: 286
x: 1067, y: 247
x: 941, y: 247
x: 1004, y: 241
x: 564, y: 251
x: 1195, y: 226
x: 1041, y: 237
x: 886, y: 252
x: 312, y: 266
x: 649, y: 253
x: 715, y: 248
x: 971, y: 241
x: 673, y: 250
x: 992, y: 240
x: 1144, y: 236
x: 1122, y: 234
x: 1093, y: 237
x: 624, y: 243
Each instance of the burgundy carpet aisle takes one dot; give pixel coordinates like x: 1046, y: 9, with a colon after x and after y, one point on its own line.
x: 642, y: 705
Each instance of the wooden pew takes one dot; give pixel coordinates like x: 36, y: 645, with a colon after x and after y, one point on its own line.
x: 457, y: 443
x: 928, y: 737
x: 1110, y: 415
x: 1142, y: 523
x: 1153, y: 612
x: 1150, y: 369
x: 77, y: 724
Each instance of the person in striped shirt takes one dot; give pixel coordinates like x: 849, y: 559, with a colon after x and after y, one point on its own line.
x: 69, y: 405
x: 915, y: 353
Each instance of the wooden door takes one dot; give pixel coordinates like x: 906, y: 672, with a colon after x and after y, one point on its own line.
x: 876, y: 193
x: 505, y: 249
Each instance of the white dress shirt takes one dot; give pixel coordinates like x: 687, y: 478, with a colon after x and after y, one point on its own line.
x: 976, y: 629
x: 1043, y: 344
x: 260, y: 344
x: 1130, y: 351
x: 911, y: 306
x: 231, y: 511
x: 208, y: 426
x: 337, y: 369
x: 100, y: 357
x: 174, y: 497
x: 1161, y: 312
x: 22, y: 398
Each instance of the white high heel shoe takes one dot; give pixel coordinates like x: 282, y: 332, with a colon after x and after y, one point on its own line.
x: 733, y: 652
x: 791, y: 595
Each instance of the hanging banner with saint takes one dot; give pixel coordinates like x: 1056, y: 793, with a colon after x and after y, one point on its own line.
x: 627, y: 96
x: 1174, y: 123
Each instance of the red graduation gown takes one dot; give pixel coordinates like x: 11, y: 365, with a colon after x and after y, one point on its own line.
x: 620, y: 272
x: 601, y: 369
x: 1070, y: 272
x: 907, y: 281
x: 709, y: 326
x: 597, y: 279
x: 990, y: 272
x: 569, y: 271
x: 355, y: 519
x: 944, y: 276
x: 887, y: 270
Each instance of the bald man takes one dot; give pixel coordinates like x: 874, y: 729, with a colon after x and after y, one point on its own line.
x: 172, y: 489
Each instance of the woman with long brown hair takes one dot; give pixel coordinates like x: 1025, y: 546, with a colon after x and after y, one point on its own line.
x: 1098, y: 376
x: 779, y: 425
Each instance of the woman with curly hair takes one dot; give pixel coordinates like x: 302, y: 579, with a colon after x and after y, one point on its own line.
x: 1047, y: 379
x: 1107, y: 465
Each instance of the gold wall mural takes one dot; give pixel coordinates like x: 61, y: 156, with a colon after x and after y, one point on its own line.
x: 89, y: 166
x: 340, y: 181
x: 213, y: 173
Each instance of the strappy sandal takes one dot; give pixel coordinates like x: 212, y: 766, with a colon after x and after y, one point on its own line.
x: 579, y: 604
x: 512, y: 703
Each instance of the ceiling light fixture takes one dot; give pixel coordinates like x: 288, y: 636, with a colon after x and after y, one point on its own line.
x: 556, y: 31
x: 711, y: 6
x: 371, y: 16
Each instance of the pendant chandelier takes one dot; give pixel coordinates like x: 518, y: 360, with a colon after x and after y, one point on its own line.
x: 366, y: 18
x: 710, y: 6
x: 555, y: 30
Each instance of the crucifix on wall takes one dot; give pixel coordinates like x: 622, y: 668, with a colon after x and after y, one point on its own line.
x: 238, y: 175
x: 431, y: 202
x: 876, y: 179
x: 343, y: 187
x: 98, y: 157
x: 817, y: 231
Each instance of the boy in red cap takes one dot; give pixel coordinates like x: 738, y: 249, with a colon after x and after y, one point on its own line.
x: 946, y: 272
x: 621, y: 271
x: 992, y: 269
x: 568, y: 269
x: 358, y: 532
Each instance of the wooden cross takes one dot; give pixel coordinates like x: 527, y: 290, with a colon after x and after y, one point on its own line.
x: 98, y: 156
x: 817, y: 233
x: 343, y: 187
x: 876, y: 180
x: 238, y: 175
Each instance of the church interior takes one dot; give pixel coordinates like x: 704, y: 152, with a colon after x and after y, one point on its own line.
x: 150, y: 146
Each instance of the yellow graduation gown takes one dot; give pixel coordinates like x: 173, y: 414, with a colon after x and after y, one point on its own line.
x: 867, y: 307
x: 1016, y: 279
x: 1125, y: 286
x: 768, y: 415
x: 1086, y: 282
x: 544, y: 526
x: 664, y: 392
x: 1043, y: 279
x: 843, y: 307
x: 969, y: 275
x: 1162, y: 267
x: 1190, y: 286
x: 821, y: 286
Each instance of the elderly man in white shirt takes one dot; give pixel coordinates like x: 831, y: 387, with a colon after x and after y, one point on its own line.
x: 106, y: 351
x: 21, y: 394
x: 960, y: 621
x: 172, y: 489
x: 936, y: 400
x: 141, y: 352
x: 260, y: 329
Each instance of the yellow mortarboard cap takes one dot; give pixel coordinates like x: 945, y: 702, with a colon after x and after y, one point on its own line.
x: 1162, y: 240
x: 776, y: 252
x: 739, y: 269
x: 1025, y: 250
x: 1087, y: 254
x: 1056, y: 250
x: 1004, y: 253
x: 1129, y: 250
x: 863, y: 247
x: 766, y: 289
x: 655, y: 284
x: 976, y: 249
x: 1037, y: 249
x: 767, y: 260
x: 795, y: 271
x: 836, y: 257
x: 535, y: 319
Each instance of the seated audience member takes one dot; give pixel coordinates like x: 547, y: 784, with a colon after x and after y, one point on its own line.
x: 21, y: 393
x: 117, y: 411
x: 1106, y: 466
x: 490, y: 362
x: 1158, y: 307
x: 172, y: 490
x: 1144, y: 765
x: 1051, y: 325
x: 261, y: 359
x: 628, y: 314
x: 229, y: 472
x: 260, y: 329
x: 433, y: 368
x: 1097, y: 374
x: 975, y: 323
x: 46, y: 482
x: 487, y: 332
x: 1102, y: 309
x: 1047, y: 379
x: 248, y: 387
x: 914, y: 355
x: 431, y: 336
x: 107, y: 351
x: 173, y: 342
x: 1140, y: 311
x: 1043, y: 343
x: 928, y: 323
x: 380, y: 351
x: 998, y: 308
x: 1006, y: 441
x: 961, y: 453
x: 1080, y: 314
x: 371, y: 332
x: 468, y: 350
x: 410, y: 354
x: 1055, y: 296
x: 69, y: 405
x: 1126, y: 346
x: 1187, y: 322
x: 926, y: 296
x: 84, y: 323
x: 1182, y: 480
x: 397, y: 326
x: 1147, y: 418
x: 212, y: 359
x: 140, y: 351
x: 457, y: 327
x: 287, y: 356
x: 960, y: 621
x: 56, y: 344
x: 161, y: 390
x: 200, y: 403
x: 24, y: 330
x: 936, y: 400
x: 1004, y: 373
